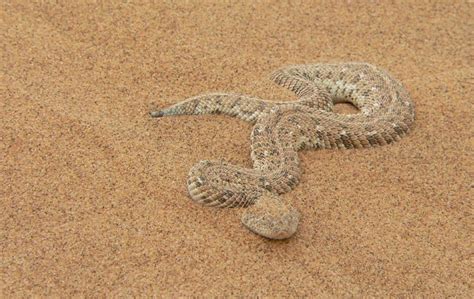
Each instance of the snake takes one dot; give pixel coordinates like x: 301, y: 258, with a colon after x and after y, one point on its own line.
x: 282, y: 128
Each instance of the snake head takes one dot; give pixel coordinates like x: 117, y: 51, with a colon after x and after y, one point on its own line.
x: 271, y: 218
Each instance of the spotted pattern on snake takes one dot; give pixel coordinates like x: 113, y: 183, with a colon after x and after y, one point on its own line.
x: 281, y: 129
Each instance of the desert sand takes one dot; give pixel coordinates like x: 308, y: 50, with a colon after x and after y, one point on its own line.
x: 93, y: 197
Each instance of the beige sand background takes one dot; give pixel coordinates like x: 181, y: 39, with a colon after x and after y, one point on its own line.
x: 93, y: 196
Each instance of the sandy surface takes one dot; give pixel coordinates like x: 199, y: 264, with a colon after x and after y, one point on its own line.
x: 93, y: 193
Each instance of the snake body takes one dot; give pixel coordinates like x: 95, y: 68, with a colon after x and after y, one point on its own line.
x: 281, y: 129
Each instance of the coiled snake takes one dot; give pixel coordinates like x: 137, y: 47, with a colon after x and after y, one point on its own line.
x: 386, y: 113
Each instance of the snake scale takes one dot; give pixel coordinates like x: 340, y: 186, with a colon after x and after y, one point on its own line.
x: 281, y: 129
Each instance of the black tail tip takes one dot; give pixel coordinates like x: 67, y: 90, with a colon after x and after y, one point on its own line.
x: 156, y: 114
